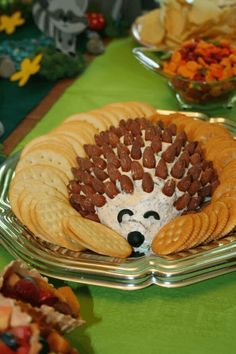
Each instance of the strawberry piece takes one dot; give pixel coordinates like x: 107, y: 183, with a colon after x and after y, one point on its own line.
x: 4, y: 349
x: 26, y: 290
x: 46, y: 297
x: 22, y: 334
x: 23, y: 350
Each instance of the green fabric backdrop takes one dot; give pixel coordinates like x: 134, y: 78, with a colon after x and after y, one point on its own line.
x: 198, y: 319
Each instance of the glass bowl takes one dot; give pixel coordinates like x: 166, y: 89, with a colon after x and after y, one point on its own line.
x: 191, y: 94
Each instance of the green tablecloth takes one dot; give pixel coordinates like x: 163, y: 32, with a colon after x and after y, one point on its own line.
x: 200, y: 318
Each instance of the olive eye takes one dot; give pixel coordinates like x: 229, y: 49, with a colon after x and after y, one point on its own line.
x: 122, y: 213
x: 151, y: 213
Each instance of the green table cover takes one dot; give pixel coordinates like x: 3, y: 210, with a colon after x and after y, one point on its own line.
x: 198, y: 319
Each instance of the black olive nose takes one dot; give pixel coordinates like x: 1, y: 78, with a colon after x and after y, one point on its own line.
x: 135, y: 238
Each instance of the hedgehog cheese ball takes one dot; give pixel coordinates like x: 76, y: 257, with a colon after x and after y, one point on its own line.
x: 138, y: 177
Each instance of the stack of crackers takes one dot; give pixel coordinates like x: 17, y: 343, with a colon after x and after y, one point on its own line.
x: 179, y: 20
x: 39, y: 198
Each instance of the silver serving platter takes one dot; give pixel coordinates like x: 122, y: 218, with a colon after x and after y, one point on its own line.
x: 181, y: 269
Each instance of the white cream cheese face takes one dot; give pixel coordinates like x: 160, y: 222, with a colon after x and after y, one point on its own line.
x: 139, y: 216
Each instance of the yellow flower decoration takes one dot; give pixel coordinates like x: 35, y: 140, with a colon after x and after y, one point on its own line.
x: 28, y: 68
x: 9, y: 23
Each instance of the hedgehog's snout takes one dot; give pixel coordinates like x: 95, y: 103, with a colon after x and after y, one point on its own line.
x: 135, y: 238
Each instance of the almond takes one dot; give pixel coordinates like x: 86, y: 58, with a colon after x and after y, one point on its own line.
x: 125, y: 162
x: 182, y: 202
x: 149, y: 160
x: 110, y: 189
x: 172, y: 128
x: 184, y: 184
x: 178, y: 147
x: 156, y: 144
x: 112, y: 158
x: 105, y: 137
x: 135, y: 128
x: 140, y: 141
x: 136, y: 152
x: 84, y: 163
x: 195, y: 158
x: 98, y: 186
x: 194, y: 203
x: 136, y: 170
x: 160, y: 124
x: 205, y: 191
x: 169, y: 154
x: 161, y: 169
x: 113, y: 139
x: 169, y: 188
x: 122, y: 149
x: 190, y: 147
x: 98, y: 200
x: 206, y: 176
x: 167, y: 136
x: 185, y: 157
x: 87, y: 178
x: 92, y: 150
x: 100, y: 174
x: 181, y: 137
x: 106, y: 150
x: 78, y: 174
x: 74, y: 187
x: 144, y: 123
x: 178, y: 169
x: 113, y: 172
x: 98, y: 139
x: 99, y: 162
x: 92, y: 217
x: 128, y: 138
x: 147, y: 183
x: 194, y: 187
x: 207, y: 164
x: 126, y: 184
x: 149, y: 133
x: 195, y: 172
x: 87, y: 190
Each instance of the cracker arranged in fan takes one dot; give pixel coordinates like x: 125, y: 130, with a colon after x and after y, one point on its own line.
x: 125, y: 179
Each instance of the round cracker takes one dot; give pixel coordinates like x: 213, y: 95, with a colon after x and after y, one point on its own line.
x: 202, y: 236
x: 98, y: 237
x: 231, y: 222
x: 207, y: 131
x: 83, y: 135
x: 146, y: 109
x: 91, y: 118
x: 48, y: 157
x: 44, y: 139
x: 222, y: 213
x: 49, y: 213
x: 224, y: 188
x: 213, y: 220
x: 173, y: 235
x: 73, y: 141
x: 218, y: 146
x: 197, y: 224
x: 225, y: 157
x: 26, y: 203
x: 47, y: 174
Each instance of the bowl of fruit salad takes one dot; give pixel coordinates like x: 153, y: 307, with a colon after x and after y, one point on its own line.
x: 202, y: 73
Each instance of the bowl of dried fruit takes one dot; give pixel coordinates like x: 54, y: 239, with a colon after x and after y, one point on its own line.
x: 201, y: 73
